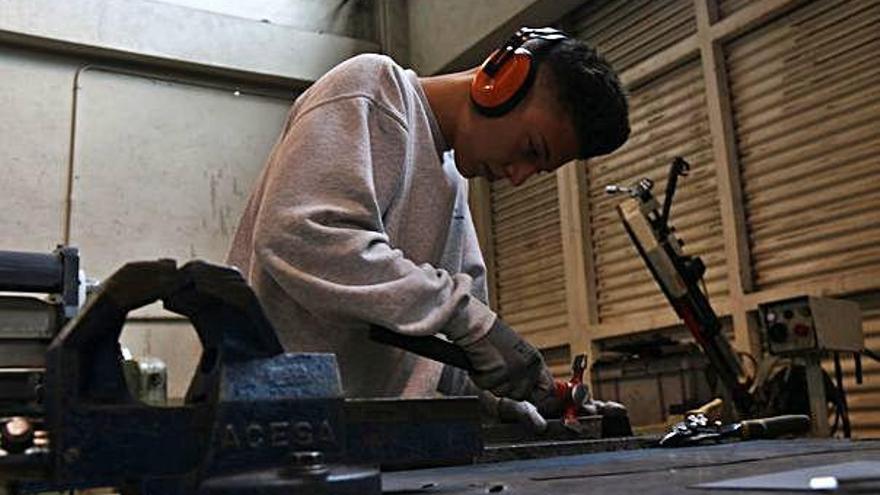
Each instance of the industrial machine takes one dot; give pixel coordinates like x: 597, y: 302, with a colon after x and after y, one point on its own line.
x: 806, y: 328
x: 800, y: 330
x: 29, y: 323
x: 679, y: 275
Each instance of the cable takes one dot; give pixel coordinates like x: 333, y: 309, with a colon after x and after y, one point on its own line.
x: 841, y: 406
x: 871, y: 354
x: 754, y: 364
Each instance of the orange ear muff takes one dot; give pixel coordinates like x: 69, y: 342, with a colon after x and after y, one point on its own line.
x: 499, y: 86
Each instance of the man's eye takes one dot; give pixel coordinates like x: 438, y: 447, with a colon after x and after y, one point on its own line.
x: 533, y: 151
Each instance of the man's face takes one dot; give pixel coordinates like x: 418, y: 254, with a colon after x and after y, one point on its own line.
x: 535, y: 137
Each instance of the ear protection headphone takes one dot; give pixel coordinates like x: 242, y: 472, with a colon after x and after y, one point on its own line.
x: 505, y: 77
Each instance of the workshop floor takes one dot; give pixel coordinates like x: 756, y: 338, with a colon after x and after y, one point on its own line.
x: 643, y: 471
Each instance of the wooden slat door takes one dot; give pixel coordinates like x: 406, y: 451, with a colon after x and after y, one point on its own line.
x: 529, y: 272
x: 629, y: 31
x: 806, y: 100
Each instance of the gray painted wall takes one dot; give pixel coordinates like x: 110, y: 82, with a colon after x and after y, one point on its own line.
x: 349, y: 18
x: 221, y: 41
x: 159, y: 168
x: 452, y: 35
x: 141, y: 165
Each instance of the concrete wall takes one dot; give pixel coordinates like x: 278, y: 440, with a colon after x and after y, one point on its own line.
x: 127, y: 166
x: 348, y: 18
x: 457, y: 34
x: 135, y: 129
x: 263, y: 45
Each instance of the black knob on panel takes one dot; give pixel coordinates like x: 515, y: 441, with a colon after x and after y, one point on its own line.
x: 778, y: 332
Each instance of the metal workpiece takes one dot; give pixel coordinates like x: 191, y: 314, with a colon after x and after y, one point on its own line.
x: 544, y: 449
x: 590, y: 428
x: 408, y: 433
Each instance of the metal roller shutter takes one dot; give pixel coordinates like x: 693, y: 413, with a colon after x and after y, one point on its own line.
x: 669, y: 119
x: 529, y: 272
x: 728, y: 7
x: 806, y: 99
x: 629, y: 31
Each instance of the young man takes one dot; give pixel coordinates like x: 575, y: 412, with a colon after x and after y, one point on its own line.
x: 360, y: 216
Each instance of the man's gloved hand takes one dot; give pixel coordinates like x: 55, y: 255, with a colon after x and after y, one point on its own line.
x: 592, y: 407
x: 507, y: 365
x: 510, y: 411
x: 455, y: 381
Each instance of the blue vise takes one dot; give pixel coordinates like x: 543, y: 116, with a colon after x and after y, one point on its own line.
x: 248, y: 406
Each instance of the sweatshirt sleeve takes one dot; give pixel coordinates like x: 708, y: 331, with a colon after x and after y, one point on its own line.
x: 320, y: 234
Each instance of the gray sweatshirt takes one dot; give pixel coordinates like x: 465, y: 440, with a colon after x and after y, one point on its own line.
x: 358, y: 219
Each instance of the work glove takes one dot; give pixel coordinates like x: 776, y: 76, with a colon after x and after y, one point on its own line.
x: 511, y: 411
x: 593, y: 407
x: 507, y: 365
x: 455, y: 381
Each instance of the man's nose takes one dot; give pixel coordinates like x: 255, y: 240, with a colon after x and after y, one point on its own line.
x: 518, y: 172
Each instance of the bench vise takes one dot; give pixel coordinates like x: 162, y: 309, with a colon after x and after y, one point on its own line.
x: 254, y: 419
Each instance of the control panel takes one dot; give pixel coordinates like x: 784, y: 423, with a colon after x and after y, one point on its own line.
x: 810, y: 323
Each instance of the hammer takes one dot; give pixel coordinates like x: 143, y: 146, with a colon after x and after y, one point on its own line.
x: 571, y: 393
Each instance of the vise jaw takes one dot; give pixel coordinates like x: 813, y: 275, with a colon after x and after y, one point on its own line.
x: 248, y: 406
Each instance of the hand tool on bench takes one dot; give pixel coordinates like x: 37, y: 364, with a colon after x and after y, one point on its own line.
x: 570, y: 393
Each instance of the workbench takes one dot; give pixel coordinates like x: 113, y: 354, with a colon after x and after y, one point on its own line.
x: 646, y: 471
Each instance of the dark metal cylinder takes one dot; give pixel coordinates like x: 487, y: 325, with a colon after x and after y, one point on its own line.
x: 31, y: 272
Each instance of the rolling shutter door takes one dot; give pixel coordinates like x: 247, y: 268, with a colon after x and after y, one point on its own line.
x: 806, y: 99
x: 629, y: 31
x: 728, y: 7
x: 669, y: 119
x: 529, y: 272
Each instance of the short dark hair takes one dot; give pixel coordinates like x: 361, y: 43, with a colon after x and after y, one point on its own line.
x: 591, y: 92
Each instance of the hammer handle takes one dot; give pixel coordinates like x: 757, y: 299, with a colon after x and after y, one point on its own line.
x: 789, y: 424
x: 427, y: 346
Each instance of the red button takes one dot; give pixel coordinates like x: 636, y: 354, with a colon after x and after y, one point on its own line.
x: 801, y: 330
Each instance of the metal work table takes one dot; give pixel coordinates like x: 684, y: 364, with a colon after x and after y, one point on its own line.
x: 643, y: 471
